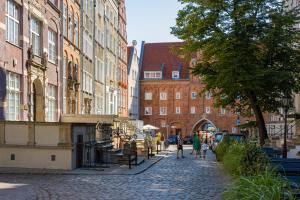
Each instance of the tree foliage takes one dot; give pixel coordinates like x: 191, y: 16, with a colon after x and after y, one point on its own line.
x: 249, y: 51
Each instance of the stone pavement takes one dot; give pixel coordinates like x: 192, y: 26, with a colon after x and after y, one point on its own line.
x: 169, y: 178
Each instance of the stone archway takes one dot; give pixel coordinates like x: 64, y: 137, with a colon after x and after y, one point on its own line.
x: 38, y: 101
x: 203, y: 125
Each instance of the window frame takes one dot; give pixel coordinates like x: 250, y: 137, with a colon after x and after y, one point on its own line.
x: 193, y: 110
x: 161, y: 109
x: 178, y: 95
x: 148, y: 95
x: 15, y: 23
x: 163, y: 96
x: 174, y: 73
x: 178, y: 110
x: 193, y: 95
x: 149, y: 108
x: 37, y: 50
x: 52, y: 46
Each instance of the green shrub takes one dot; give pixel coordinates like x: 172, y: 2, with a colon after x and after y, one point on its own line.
x: 254, y: 160
x: 221, y: 150
x: 233, y: 158
x: 262, y: 186
x: 241, y: 158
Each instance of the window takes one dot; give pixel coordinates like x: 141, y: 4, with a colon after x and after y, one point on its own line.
x: 193, y: 110
x: 65, y: 61
x: 70, y: 26
x: 177, y: 110
x: 12, y: 16
x: 207, y: 110
x: 52, y: 46
x: 87, y: 82
x: 99, y: 105
x: 175, y: 74
x: 193, y: 95
x: 163, y: 123
x: 222, y: 111
x: 53, y: 2
x: 163, y: 96
x: 148, y: 110
x: 234, y: 130
x: 51, y: 103
x: 163, y: 110
x: 65, y: 20
x: 178, y: 96
x: 35, y: 30
x: 13, y: 96
x: 208, y: 95
x: 76, y: 32
x: 148, y: 95
x: 152, y: 75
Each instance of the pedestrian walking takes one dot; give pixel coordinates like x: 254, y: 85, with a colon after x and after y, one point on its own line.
x: 179, y: 145
x: 204, y: 148
x: 196, y: 144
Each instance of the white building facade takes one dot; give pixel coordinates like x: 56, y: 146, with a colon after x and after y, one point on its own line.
x: 133, y: 82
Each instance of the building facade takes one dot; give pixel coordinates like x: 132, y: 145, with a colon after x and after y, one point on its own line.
x: 122, y: 62
x: 71, y: 61
x: 171, y: 98
x: 30, y: 65
x: 111, y: 57
x: 133, y: 82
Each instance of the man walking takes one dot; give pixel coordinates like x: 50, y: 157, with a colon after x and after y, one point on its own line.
x: 179, y: 145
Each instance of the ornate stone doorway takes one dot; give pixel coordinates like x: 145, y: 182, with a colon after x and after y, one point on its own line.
x: 38, y: 101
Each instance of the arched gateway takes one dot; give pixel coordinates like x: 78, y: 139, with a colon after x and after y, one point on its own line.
x: 203, y: 125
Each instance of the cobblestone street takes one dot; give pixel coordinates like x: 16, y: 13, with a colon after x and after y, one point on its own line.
x: 170, y: 178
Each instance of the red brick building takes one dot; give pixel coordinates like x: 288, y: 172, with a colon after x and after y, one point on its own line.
x: 170, y: 96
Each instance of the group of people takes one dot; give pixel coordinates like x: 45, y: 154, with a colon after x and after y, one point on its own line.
x: 200, y: 146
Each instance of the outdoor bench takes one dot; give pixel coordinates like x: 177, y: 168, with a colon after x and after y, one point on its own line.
x: 271, y: 152
x: 287, y: 166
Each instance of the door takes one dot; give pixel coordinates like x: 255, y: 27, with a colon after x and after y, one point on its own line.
x: 178, y: 131
x: 38, y: 101
x: 79, y: 151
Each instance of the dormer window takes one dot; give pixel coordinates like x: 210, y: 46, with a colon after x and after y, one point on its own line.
x: 152, y: 75
x: 175, y: 74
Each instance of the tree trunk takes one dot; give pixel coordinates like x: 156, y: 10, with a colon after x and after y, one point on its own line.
x: 259, y: 118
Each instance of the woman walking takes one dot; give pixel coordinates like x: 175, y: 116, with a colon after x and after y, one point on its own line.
x: 196, y: 144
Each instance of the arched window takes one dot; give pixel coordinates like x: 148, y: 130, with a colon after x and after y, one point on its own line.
x: 75, y: 71
x: 70, y: 68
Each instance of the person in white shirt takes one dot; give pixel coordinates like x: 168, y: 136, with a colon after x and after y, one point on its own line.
x: 204, y: 148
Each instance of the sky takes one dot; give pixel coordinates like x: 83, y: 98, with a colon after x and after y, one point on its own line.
x: 150, y: 20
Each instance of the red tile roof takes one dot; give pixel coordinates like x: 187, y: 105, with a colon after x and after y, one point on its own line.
x: 163, y: 56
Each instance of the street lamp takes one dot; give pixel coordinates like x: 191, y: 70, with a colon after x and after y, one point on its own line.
x: 286, y: 104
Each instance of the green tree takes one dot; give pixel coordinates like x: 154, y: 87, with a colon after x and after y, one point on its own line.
x: 249, y: 52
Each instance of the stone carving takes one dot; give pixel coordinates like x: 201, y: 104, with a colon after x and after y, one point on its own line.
x: 30, y: 53
x: 45, y: 59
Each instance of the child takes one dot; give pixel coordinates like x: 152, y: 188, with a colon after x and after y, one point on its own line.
x: 179, y: 145
x: 204, y: 148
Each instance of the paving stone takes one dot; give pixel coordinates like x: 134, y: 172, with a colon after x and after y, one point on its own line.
x: 170, y: 178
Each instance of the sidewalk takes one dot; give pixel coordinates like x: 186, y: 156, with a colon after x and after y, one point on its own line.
x: 114, y: 169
